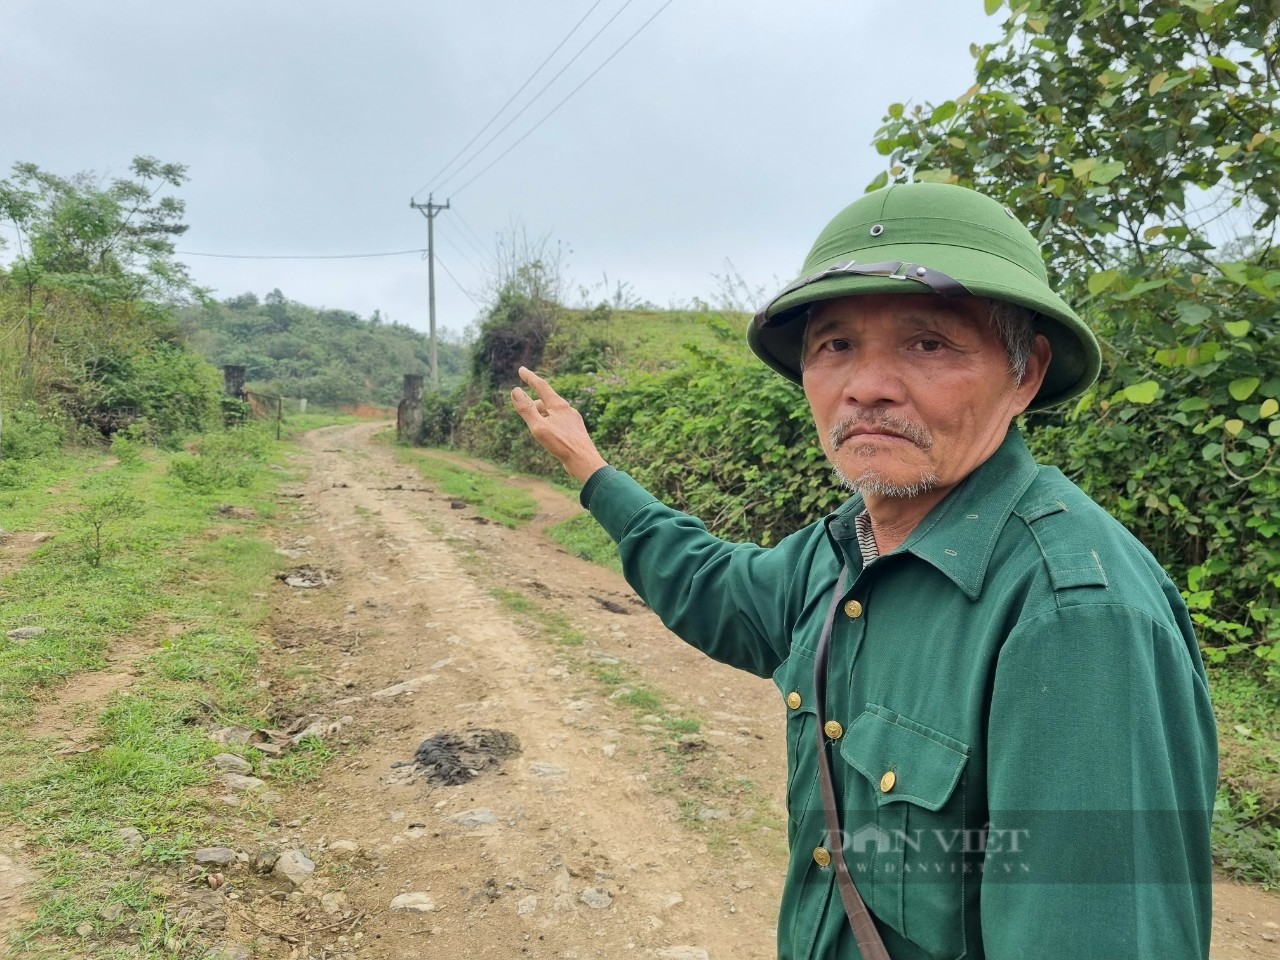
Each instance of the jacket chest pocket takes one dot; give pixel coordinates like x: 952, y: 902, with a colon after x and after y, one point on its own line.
x: 907, y: 839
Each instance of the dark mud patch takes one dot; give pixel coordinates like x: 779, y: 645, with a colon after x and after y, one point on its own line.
x: 448, y: 758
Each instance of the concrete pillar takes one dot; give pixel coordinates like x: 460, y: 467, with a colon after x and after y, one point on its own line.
x: 233, y: 381
x: 409, y: 412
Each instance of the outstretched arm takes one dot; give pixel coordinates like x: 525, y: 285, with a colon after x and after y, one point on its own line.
x: 732, y: 601
x: 556, y: 425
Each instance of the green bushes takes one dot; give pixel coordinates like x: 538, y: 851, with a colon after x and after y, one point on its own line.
x: 438, y: 412
x: 1178, y: 444
x: 223, y: 460
x: 721, y: 437
x: 169, y: 386
x: 30, y: 432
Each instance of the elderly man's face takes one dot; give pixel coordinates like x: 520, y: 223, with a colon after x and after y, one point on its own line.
x: 911, y: 392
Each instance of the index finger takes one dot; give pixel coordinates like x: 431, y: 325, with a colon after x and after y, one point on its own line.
x: 545, y: 392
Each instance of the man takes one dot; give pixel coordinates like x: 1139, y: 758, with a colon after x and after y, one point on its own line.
x: 1001, y: 683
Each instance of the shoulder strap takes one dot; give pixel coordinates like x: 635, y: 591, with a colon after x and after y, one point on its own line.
x: 864, y: 928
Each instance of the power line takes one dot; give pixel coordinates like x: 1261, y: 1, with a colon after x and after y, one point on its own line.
x: 513, y: 96
x: 471, y: 244
x: 564, y: 101
x: 455, y: 280
x: 506, y: 126
x: 297, y: 256
x: 458, y: 250
x: 466, y: 226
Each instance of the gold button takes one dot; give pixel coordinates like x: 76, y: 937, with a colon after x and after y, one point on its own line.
x: 887, y: 781
x: 821, y: 856
x: 793, y: 700
x: 854, y: 609
x: 833, y: 729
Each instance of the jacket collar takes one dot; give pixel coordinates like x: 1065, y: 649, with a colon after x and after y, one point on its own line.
x: 959, y: 534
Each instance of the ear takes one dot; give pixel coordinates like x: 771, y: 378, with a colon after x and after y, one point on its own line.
x: 1037, y: 366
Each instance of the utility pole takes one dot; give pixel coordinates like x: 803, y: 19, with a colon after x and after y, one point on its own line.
x: 429, y: 210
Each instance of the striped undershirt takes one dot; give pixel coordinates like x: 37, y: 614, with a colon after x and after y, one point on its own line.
x: 866, y: 538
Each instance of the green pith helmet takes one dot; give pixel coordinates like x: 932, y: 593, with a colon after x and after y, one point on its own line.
x: 930, y: 237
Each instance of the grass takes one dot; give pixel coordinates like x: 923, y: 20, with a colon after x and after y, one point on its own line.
x: 30, y: 489
x: 586, y: 539
x: 641, y: 698
x: 181, y: 590
x: 683, y: 725
x: 647, y: 339
x: 554, y: 625
x: 305, y: 763
x: 492, y: 497
x: 297, y: 423
x: 515, y: 601
x: 1246, y: 827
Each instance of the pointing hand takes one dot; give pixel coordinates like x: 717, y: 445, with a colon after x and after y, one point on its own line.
x: 556, y: 425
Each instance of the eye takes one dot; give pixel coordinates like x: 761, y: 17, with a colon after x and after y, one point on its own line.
x: 836, y: 345
x: 929, y: 345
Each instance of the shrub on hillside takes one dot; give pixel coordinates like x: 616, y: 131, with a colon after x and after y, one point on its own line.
x: 29, y: 432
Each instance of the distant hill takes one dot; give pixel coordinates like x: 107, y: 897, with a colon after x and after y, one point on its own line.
x: 330, y: 357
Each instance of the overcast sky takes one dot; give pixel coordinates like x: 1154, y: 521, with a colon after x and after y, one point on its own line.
x: 721, y: 132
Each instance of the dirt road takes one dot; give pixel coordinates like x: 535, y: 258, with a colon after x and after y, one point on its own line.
x: 642, y: 815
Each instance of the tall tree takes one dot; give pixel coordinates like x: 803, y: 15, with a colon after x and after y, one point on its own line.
x: 87, y: 299
x: 111, y: 243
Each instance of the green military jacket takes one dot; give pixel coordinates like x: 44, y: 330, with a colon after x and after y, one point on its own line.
x: 1023, y: 748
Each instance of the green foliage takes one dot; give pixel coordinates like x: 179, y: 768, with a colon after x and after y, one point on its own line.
x: 605, y: 339
x: 723, y: 438
x: 99, y: 517
x: 127, y: 444
x: 85, y: 305
x: 226, y: 459
x: 586, y: 346
x: 166, y: 385
x: 330, y: 357
x: 1246, y: 835
x: 513, y: 335
x: 1245, y: 845
x: 438, y: 413
x: 29, y: 432
x: 111, y: 242
x: 485, y: 429
x: 585, y: 538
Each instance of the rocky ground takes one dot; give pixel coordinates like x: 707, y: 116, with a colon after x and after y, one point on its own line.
x: 589, y: 787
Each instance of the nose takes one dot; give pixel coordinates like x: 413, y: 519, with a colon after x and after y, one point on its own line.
x: 871, y: 377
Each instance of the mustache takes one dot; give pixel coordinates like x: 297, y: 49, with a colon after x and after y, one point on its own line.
x: 842, y: 431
